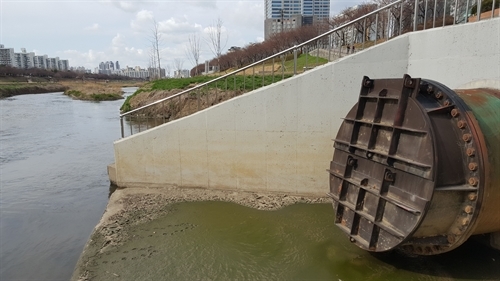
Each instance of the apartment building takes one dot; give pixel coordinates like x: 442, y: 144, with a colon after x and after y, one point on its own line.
x: 24, y: 60
x: 41, y: 61
x: 30, y: 60
x: 63, y: 65
x: 7, y: 56
x: 134, y: 72
x: 283, y: 15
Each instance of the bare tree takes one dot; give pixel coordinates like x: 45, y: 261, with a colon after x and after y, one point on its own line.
x: 178, y: 67
x: 152, y: 63
x: 215, y: 40
x: 156, y: 42
x: 193, y: 50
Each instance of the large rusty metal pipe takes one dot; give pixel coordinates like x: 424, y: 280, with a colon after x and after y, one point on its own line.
x: 417, y: 166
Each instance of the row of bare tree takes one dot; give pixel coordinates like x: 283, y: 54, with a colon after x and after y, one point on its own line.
x: 216, y: 41
x: 253, y: 52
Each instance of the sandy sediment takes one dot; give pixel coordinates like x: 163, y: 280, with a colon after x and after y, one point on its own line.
x: 132, y: 206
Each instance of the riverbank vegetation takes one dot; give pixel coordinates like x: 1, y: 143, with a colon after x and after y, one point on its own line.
x: 93, y: 91
x: 82, y: 86
x: 212, y: 93
x: 14, y: 89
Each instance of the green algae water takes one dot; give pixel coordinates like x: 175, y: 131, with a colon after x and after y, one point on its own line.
x: 226, y: 241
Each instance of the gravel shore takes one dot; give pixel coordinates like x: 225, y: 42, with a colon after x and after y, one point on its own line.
x: 133, y: 206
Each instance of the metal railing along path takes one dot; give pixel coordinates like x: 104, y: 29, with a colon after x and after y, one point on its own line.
x: 344, y: 38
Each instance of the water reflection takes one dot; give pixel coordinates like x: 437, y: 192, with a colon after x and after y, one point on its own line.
x: 136, y: 124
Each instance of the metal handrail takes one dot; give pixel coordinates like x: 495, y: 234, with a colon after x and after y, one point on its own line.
x: 326, y: 34
x: 261, y: 61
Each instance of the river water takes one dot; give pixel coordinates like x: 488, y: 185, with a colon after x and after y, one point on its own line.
x: 54, y: 189
x: 54, y: 186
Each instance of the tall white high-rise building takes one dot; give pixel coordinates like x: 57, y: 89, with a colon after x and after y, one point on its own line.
x: 24, y: 59
x: 7, y: 56
x: 27, y: 60
x: 282, y: 15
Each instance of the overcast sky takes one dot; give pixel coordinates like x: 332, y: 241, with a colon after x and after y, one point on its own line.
x: 87, y: 32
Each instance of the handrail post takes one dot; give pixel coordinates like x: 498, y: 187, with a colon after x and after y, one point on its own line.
x: 401, y: 18
x: 330, y: 42
x: 295, y: 60
x: 455, y: 13
x: 434, y: 14
x: 425, y: 14
x: 467, y: 11
x: 493, y: 9
x: 364, y: 33
x: 121, y: 125
x: 478, y: 10
x: 444, y: 13
x: 415, y: 15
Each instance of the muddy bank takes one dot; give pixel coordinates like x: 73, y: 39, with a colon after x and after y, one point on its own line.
x: 131, y: 207
x: 14, y: 90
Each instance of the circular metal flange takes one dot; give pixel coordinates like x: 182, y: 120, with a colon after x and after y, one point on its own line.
x: 406, y: 172
x: 390, y: 141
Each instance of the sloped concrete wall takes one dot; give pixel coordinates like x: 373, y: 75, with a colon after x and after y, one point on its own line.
x: 461, y: 56
x: 279, y: 138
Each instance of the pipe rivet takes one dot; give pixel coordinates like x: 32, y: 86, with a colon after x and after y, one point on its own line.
x: 352, y: 240
x: 454, y: 112
x: 451, y: 239
x: 439, y: 95
x: 430, y: 89
x: 471, y: 151
x: 447, y: 102
x: 456, y: 231
x: 461, y: 124
x: 467, y: 137
x: 465, y: 221
x: 473, y: 181
x: 473, y: 166
x: 472, y: 196
x: 468, y: 209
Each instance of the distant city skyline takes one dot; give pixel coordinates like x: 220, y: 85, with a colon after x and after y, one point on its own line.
x: 88, y: 32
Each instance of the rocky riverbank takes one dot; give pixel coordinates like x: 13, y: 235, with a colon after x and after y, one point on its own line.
x: 136, y: 206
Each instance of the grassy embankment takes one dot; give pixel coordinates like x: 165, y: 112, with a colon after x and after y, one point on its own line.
x: 93, y: 90
x: 213, y: 93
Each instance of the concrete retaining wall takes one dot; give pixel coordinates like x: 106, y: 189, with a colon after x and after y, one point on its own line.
x: 279, y: 138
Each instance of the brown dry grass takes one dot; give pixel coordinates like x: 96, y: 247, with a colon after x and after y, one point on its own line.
x: 90, y: 88
x: 268, y: 69
x: 96, y: 90
x: 179, y: 106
